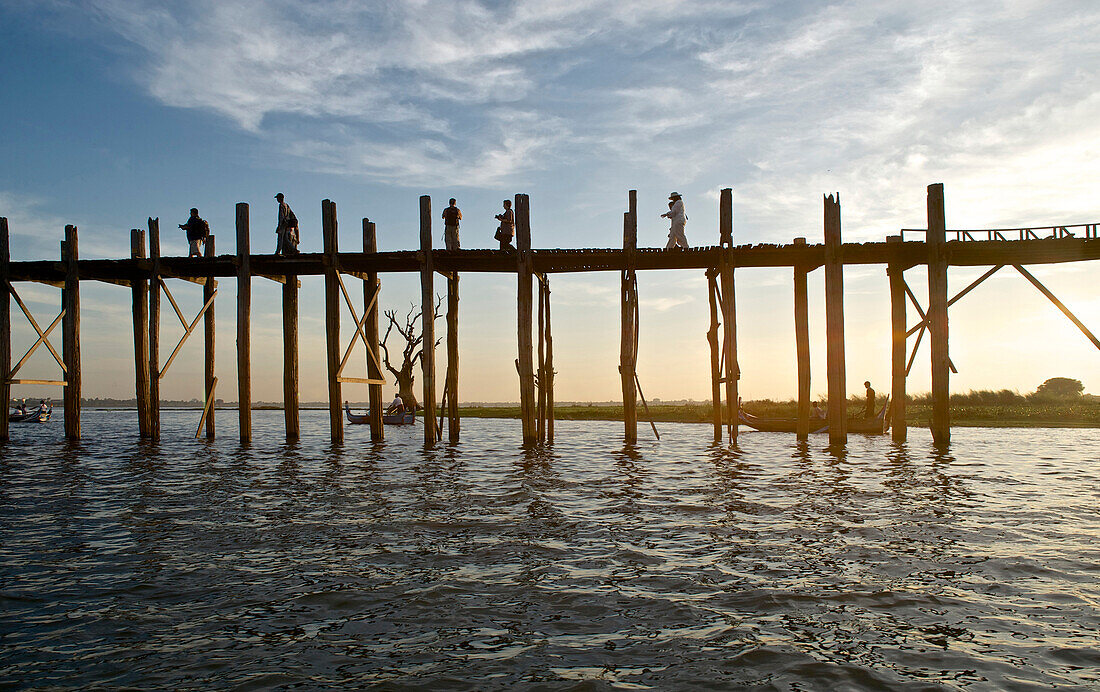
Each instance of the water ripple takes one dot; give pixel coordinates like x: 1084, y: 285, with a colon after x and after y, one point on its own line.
x: 769, y: 564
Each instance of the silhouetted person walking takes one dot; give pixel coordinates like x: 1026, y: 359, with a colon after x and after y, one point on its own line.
x: 287, y: 230
x: 197, y: 230
x: 451, y: 216
x: 507, y: 227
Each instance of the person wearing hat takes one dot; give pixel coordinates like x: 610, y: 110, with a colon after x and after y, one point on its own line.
x: 287, y: 230
x: 676, y: 215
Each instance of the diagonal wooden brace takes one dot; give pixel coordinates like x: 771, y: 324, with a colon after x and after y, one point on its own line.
x: 359, y: 327
x: 34, y: 323
x: 188, y: 328
x: 1065, y: 311
x: 924, y: 322
x: 32, y: 349
x: 172, y: 300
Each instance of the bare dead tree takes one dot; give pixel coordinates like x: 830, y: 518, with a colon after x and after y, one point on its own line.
x: 413, y: 351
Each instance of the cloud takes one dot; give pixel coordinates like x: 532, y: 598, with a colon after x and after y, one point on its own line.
x: 35, y: 233
x: 783, y: 101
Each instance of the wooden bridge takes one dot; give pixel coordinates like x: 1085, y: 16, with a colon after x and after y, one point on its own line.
x: 146, y: 275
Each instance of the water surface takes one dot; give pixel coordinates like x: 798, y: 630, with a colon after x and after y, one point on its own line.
x: 671, y: 564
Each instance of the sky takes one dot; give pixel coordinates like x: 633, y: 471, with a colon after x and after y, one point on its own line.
x: 119, y: 110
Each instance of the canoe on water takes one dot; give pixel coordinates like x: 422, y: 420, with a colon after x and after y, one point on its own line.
x: 387, y: 418
x: 33, y: 416
x: 867, y: 426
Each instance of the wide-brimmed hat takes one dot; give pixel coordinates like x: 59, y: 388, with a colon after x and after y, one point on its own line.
x: 279, y: 195
x: 674, y: 195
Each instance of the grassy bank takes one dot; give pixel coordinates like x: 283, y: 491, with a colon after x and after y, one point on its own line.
x: 1077, y: 414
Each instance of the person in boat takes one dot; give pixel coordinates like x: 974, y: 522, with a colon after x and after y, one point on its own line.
x: 21, y: 407
x: 869, y: 406
x: 43, y: 407
x: 817, y: 412
x: 396, y: 406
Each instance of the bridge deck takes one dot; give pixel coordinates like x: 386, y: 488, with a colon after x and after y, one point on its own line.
x: 959, y: 253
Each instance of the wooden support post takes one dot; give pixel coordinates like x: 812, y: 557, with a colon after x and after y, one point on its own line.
x: 452, y: 357
x: 70, y: 329
x: 427, y: 316
x: 834, y: 323
x: 937, y: 315
x: 540, y: 428
x: 5, y: 326
x: 371, y: 289
x: 895, y: 270
x: 154, y: 329
x: 628, y: 304
x: 715, y: 355
x: 139, y: 289
x: 729, y: 310
x: 330, y: 233
x: 526, y: 357
x: 244, y: 324
x: 549, y: 366
x: 290, y: 359
x: 208, y: 290
x: 802, y: 345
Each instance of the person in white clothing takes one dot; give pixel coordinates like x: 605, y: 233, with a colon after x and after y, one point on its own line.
x: 397, y: 405
x: 676, y: 215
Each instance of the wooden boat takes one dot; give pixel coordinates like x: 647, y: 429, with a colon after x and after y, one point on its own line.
x: 35, y: 415
x: 867, y: 426
x: 405, y: 418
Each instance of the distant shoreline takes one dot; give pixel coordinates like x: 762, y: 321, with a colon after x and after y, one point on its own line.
x: 1083, y: 413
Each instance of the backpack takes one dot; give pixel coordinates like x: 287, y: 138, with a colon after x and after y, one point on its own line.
x: 291, y: 219
x: 205, y: 228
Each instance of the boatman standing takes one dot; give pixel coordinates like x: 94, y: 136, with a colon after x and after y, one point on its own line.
x: 676, y: 214
x: 869, y: 406
x: 451, y: 216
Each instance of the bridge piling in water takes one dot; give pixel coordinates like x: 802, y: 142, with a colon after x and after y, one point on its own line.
x: 525, y: 362
x: 427, y: 319
x: 895, y: 271
x: 936, y: 239
x: 729, y: 309
x: 154, y: 329
x: 834, y: 323
x: 209, y: 290
x: 5, y: 324
x: 244, y: 325
x: 371, y: 296
x: 628, y: 315
x: 802, y: 343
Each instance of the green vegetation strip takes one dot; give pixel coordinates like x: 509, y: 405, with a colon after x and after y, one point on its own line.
x: 1082, y: 413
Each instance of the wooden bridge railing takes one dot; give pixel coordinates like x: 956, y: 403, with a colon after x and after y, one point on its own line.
x: 1079, y: 230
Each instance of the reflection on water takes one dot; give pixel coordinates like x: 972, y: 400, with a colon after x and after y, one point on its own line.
x: 682, y: 563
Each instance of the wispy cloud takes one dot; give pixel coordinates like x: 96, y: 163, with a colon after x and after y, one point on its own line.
x: 783, y: 101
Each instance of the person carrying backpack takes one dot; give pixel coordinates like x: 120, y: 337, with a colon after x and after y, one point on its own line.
x: 197, y: 232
